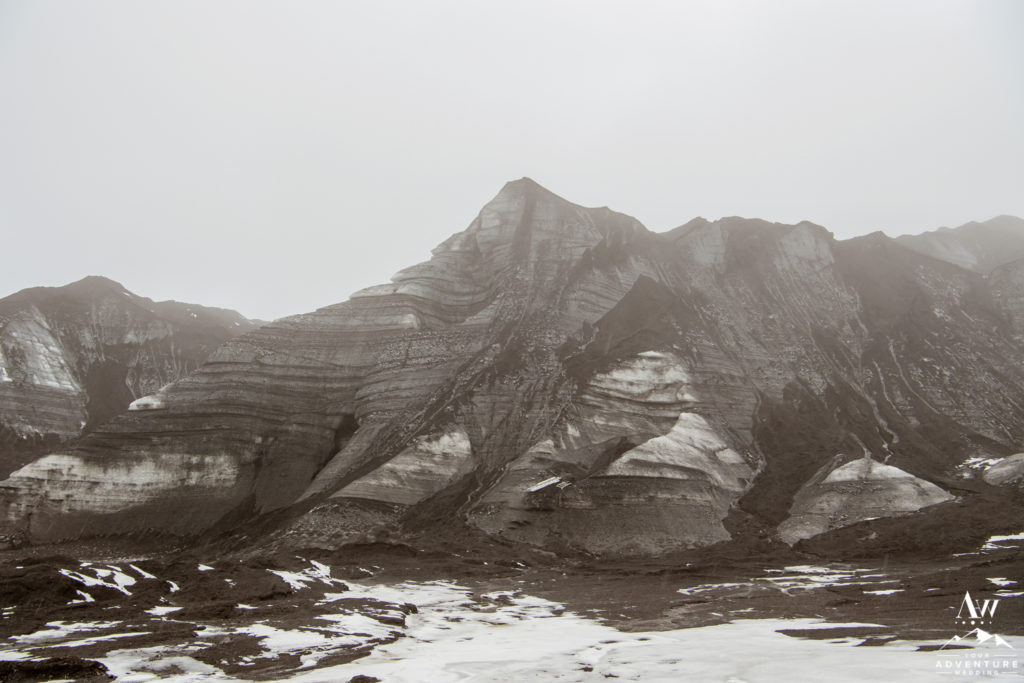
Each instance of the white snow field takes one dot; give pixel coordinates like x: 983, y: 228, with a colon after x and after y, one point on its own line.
x: 459, y: 635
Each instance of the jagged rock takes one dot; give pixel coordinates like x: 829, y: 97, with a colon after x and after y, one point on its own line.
x: 856, y: 491
x: 72, y: 357
x: 653, y: 383
x: 1007, y: 471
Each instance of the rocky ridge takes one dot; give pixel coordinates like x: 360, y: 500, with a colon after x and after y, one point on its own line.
x: 72, y: 357
x: 981, y: 247
x: 560, y: 376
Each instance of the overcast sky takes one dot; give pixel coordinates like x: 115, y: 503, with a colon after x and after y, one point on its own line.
x: 274, y: 157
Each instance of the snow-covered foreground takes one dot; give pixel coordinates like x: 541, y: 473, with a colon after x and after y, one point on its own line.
x: 461, y: 636
x: 533, y: 639
x: 240, y: 621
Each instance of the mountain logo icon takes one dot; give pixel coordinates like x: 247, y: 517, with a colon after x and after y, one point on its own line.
x: 980, y: 637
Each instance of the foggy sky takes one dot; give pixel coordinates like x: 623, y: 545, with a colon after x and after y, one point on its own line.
x: 274, y: 157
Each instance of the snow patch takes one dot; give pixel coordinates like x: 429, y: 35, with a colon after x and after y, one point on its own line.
x: 977, y: 463
x: 316, y: 573
x: 159, y: 663
x: 58, y: 630
x: 152, y: 402
x: 118, y: 580
x: 1003, y: 542
x: 161, y: 610
x: 312, y: 644
x: 1002, y: 581
x: 142, y: 572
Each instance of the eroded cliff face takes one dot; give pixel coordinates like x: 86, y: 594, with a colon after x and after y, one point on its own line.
x: 73, y: 357
x: 560, y: 376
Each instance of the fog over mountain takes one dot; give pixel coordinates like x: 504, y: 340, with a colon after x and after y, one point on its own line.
x: 187, y: 149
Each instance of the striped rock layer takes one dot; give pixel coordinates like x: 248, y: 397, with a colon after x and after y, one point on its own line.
x: 657, y: 385
x: 73, y: 357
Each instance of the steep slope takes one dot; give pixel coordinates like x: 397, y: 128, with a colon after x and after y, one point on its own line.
x: 72, y: 357
x: 560, y: 376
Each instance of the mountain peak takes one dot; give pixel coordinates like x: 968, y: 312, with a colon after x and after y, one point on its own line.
x: 524, y: 208
x: 87, y: 288
x: 528, y: 187
x: 95, y: 279
x: 95, y: 285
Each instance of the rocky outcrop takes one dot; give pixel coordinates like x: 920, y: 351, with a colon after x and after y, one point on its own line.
x: 73, y: 357
x: 560, y: 376
x: 857, y: 491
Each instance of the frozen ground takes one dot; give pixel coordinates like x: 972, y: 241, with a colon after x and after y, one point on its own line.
x: 463, y: 633
x: 459, y: 635
x: 292, y: 618
x: 533, y: 639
